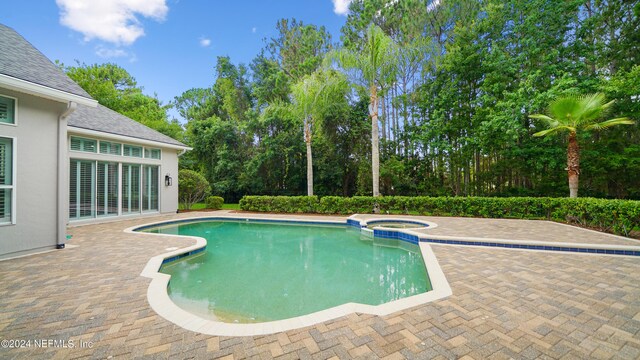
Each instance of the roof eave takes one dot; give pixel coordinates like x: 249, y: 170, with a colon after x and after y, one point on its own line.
x: 12, y: 83
x: 124, y: 138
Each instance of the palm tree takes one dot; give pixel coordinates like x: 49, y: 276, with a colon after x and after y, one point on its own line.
x: 372, y: 68
x: 577, y: 113
x: 312, y: 96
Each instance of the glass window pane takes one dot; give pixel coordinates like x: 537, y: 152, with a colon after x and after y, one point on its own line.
x: 86, y: 187
x: 107, y: 189
x: 6, y: 161
x: 89, y: 145
x: 6, y: 179
x: 150, y: 188
x: 154, y: 188
x: 109, y: 148
x: 135, y: 188
x: 152, y: 153
x: 155, y: 154
x: 81, y: 189
x: 113, y: 193
x: 73, y: 189
x: 76, y: 144
x: 130, y: 188
x: 134, y: 151
x: 7, y: 110
x: 5, y: 206
x: 145, y: 192
x: 82, y: 144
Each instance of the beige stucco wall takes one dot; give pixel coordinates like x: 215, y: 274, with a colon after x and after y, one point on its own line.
x: 36, y: 133
x: 169, y: 194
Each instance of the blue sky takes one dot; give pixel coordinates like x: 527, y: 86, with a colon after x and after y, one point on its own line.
x: 169, y: 46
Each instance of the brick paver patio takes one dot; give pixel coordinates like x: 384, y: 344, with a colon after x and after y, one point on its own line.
x: 506, y: 304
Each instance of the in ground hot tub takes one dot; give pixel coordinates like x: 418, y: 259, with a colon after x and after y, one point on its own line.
x: 395, y: 224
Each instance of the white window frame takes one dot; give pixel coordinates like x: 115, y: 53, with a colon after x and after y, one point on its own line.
x: 15, y: 111
x: 14, y: 179
x: 133, y: 146
x: 84, y: 151
x: 118, y: 193
x: 129, y: 212
x: 148, y: 188
x: 111, y: 143
x: 94, y: 179
x: 150, y: 150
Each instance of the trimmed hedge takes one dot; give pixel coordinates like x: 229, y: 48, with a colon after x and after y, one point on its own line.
x: 281, y: 204
x: 214, y: 202
x: 615, y: 216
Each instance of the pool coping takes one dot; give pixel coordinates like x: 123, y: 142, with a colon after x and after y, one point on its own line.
x: 161, y: 303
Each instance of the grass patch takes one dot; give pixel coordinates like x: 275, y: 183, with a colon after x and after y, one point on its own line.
x: 196, y: 206
x: 203, y: 206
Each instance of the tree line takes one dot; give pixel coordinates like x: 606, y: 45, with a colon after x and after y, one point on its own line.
x: 446, y: 91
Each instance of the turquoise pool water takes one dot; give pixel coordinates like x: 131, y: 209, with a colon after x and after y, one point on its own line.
x: 254, y: 272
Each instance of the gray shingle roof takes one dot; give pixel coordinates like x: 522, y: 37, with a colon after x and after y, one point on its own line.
x: 20, y: 59
x: 106, y: 120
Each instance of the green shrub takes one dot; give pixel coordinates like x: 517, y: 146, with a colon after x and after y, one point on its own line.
x: 214, y: 202
x: 615, y: 216
x: 282, y: 204
x: 192, y: 188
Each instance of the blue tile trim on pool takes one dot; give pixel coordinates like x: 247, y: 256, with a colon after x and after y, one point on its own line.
x: 534, y: 247
x: 183, y: 255
x: 386, y: 234
x: 354, y: 223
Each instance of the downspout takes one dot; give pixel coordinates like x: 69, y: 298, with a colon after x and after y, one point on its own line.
x: 184, y: 150
x: 63, y: 187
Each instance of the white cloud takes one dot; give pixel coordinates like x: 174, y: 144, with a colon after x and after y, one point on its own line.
x: 341, y: 7
x: 254, y: 29
x: 205, y: 42
x: 104, y: 52
x: 109, y: 53
x: 114, y: 21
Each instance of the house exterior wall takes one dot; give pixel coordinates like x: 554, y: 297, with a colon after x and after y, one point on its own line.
x: 36, y: 186
x: 169, y: 194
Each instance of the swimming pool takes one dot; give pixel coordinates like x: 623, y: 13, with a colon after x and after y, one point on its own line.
x: 254, y: 271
